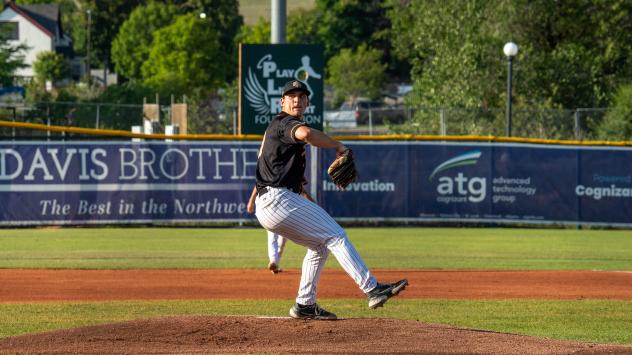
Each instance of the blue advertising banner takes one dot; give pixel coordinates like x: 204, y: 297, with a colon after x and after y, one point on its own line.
x: 143, y: 182
x: 58, y: 183
x: 484, y: 182
x: 605, y: 186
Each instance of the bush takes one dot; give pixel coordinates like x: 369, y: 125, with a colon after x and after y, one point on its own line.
x: 617, y: 123
x: 51, y: 66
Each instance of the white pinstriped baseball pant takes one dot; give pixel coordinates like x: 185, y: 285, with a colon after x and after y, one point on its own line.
x: 276, y: 244
x: 286, y: 213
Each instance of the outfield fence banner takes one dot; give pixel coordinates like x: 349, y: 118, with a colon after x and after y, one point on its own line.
x: 133, y: 182
x: 44, y: 183
x: 484, y: 182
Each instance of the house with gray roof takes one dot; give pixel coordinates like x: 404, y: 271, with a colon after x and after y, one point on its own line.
x: 39, y: 26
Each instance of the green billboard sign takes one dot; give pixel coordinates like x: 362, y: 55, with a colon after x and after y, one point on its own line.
x: 264, y: 69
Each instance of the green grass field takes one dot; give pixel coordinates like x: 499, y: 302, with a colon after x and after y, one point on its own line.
x: 448, y: 248
x: 416, y: 248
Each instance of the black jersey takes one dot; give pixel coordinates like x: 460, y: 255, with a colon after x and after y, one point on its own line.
x: 281, y: 161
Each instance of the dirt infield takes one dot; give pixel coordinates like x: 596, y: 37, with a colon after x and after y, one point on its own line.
x: 282, y: 335
x: 260, y: 335
x: 37, y: 285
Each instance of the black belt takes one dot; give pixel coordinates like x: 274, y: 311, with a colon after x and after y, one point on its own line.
x: 262, y: 191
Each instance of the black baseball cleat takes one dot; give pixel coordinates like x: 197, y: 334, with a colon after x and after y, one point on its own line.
x: 313, y: 311
x: 274, y: 268
x: 382, y: 292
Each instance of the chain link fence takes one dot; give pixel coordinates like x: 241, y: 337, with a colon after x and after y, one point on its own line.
x: 208, y: 117
x: 577, y: 124
x: 69, y: 114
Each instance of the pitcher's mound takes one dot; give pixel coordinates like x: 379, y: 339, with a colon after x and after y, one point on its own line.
x: 206, y: 334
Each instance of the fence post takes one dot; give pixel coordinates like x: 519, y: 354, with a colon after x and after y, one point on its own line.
x: 370, y: 122
x: 14, y: 119
x: 234, y: 120
x: 98, y: 116
x: 578, y: 131
x: 48, y: 121
x: 443, y: 122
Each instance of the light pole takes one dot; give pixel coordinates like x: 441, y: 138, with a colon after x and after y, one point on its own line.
x: 510, y: 49
x: 277, y: 21
x: 88, y: 49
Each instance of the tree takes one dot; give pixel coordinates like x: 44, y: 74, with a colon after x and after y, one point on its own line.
x: 106, y: 17
x: 258, y: 33
x: 185, y: 56
x: 455, y: 59
x: 302, y: 26
x: 578, y: 52
x: 572, y: 54
x: 617, y: 124
x: 11, y: 57
x: 345, y: 24
x: 356, y: 73
x: 224, y: 17
x: 209, y: 113
x: 131, y: 92
x: 133, y: 42
x: 123, y: 116
x: 66, y: 7
x: 351, y: 23
x: 301, y: 29
x: 51, y: 66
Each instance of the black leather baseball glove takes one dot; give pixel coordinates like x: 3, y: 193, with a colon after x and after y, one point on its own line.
x: 343, y: 170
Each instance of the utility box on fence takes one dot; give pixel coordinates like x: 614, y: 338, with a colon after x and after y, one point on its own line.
x: 179, y: 117
x: 171, y: 130
x: 137, y: 129
x: 151, y: 118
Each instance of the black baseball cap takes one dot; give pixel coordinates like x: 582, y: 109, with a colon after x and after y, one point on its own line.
x: 295, y: 85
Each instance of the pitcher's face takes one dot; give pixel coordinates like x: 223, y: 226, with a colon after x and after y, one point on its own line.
x: 295, y: 103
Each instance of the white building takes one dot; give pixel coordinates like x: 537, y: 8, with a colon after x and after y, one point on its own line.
x: 39, y: 27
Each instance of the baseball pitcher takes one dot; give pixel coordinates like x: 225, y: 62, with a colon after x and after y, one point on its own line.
x: 280, y: 208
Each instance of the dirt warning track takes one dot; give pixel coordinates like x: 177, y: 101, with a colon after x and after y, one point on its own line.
x: 41, y: 285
